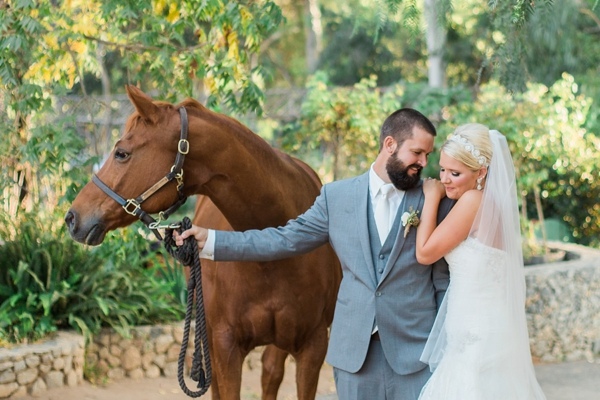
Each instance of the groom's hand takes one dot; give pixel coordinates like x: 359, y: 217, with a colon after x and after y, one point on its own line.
x: 199, y: 233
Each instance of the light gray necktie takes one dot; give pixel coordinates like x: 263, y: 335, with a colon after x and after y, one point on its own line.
x: 382, y: 211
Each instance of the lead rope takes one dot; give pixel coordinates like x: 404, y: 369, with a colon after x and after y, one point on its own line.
x: 201, y: 372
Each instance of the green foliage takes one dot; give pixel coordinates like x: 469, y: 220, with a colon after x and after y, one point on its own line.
x: 172, y: 274
x: 590, y: 88
x: 338, y: 130
x: 513, y: 42
x: 364, y: 38
x: 342, y: 124
x: 431, y: 101
x: 49, y: 282
x: 169, y: 45
x: 509, y: 20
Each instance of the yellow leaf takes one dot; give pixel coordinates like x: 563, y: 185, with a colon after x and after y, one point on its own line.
x: 173, y: 13
x: 77, y: 47
x: 246, y: 15
x: 210, y: 84
x: 159, y: 6
x: 51, y: 41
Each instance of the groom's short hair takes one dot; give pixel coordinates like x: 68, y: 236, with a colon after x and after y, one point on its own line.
x: 400, y: 124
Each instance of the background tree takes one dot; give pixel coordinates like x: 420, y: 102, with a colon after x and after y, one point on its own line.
x: 337, y: 122
x: 436, y: 40
x: 175, y: 48
x: 313, y: 29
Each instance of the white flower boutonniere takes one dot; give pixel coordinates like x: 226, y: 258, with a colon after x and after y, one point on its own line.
x: 410, y: 218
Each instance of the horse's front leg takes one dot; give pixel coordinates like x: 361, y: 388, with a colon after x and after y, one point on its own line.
x: 309, y: 361
x: 227, y: 358
x: 215, y: 394
x: 273, y: 368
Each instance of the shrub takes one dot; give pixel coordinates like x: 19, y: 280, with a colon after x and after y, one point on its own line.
x: 50, y: 282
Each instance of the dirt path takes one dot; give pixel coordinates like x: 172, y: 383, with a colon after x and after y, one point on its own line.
x: 168, y: 388
x: 563, y: 381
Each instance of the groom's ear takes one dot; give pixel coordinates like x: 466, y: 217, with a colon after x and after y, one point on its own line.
x: 390, y: 144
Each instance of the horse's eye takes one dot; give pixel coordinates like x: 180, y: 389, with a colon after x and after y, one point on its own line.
x: 121, y: 155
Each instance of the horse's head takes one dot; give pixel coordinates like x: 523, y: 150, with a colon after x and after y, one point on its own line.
x: 143, y: 156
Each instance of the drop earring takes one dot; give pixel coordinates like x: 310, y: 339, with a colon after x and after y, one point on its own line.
x: 479, y: 187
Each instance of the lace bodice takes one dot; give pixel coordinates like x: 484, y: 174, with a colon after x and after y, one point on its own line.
x: 475, y: 263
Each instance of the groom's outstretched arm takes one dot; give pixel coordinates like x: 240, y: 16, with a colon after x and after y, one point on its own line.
x: 301, y: 235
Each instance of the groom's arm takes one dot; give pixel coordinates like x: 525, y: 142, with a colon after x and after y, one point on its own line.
x: 301, y: 235
x: 440, y: 273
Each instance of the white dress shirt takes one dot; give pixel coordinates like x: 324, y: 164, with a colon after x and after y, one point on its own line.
x: 395, y: 198
x: 208, y: 251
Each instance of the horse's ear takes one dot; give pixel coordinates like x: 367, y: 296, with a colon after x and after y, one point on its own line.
x: 142, y: 103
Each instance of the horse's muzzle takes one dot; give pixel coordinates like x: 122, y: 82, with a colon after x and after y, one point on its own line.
x: 89, y: 232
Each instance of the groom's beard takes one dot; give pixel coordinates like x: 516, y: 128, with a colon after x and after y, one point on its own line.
x: 398, y: 173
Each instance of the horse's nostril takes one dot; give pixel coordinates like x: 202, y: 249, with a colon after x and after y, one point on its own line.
x: 70, y: 219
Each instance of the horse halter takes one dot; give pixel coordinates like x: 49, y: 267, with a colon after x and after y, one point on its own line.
x: 134, y: 206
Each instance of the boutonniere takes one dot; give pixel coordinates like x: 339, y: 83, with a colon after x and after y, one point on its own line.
x: 410, y: 218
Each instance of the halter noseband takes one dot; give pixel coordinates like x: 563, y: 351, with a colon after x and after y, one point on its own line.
x: 133, y: 206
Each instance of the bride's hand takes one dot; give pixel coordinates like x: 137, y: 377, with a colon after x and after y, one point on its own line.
x: 433, y: 187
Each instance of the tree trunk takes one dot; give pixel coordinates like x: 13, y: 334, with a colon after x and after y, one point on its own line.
x: 313, y: 31
x: 436, y: 39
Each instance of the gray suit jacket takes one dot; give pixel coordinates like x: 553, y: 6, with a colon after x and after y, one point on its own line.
x: 406, y: 299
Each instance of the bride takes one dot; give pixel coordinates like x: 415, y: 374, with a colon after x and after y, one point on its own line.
x: 479, y: 346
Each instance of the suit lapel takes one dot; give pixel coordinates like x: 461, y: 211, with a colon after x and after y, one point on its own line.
x: 361, y: 196
x: 413, y: 200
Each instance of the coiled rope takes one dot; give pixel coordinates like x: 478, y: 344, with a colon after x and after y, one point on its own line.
x: 201, y: 371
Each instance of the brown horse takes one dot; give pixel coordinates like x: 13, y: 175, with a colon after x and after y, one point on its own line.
x: 243, y: 183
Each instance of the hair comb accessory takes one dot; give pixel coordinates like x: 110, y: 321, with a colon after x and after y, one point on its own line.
x: 468, y: 146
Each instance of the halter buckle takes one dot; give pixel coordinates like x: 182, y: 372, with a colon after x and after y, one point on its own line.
x: 183, y: 146
x: 132, y: 203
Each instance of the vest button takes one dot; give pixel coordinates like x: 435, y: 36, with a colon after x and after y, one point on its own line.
x: 381, y: 256
x: 380, y: 270
x: 378, y: 294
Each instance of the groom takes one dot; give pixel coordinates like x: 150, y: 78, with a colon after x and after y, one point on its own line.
x: 387, y: 301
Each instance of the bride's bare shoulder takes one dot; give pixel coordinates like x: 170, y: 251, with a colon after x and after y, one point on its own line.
x: 471, y: 197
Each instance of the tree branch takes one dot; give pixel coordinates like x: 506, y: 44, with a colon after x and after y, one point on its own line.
x: 139, y: 47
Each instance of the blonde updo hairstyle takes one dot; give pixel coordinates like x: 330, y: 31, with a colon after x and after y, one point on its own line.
x: 478, y: 136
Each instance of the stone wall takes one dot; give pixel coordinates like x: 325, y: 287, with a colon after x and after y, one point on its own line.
x: 563, y: 307
x: 35, y: 368
x: 150, y: 352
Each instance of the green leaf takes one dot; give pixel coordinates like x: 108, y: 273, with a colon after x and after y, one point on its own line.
x: 102, y: 304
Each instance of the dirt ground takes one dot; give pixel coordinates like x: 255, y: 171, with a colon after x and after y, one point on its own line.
x: 168, y: 388
x: 563, y: 381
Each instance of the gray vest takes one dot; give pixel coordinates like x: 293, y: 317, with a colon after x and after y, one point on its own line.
x: 379, y: 253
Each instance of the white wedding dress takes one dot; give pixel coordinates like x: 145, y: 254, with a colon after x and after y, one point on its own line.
x: 481, y: 357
